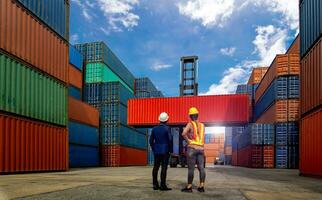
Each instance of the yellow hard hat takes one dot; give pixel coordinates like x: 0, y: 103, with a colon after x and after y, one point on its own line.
x: 193, y: 111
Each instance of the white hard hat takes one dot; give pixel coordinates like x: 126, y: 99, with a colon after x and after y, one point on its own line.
x: 164, y: 117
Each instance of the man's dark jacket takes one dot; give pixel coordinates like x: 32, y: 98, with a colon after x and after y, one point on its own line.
x: 161, y: 140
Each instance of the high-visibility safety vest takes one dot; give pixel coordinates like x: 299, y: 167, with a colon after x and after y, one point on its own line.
x: 198, y: 134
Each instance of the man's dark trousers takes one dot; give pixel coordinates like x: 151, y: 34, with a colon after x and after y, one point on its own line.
x: 160, y: 160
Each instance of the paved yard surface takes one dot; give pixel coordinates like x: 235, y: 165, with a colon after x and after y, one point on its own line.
x: 229, y: 183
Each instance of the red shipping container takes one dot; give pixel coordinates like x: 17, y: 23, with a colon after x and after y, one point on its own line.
x: 24, y: 36
x: 311, y: 144
x: 281, y: 111
x: 82, y: 112
x: 210, y: 159
x: 311, y: 79
x: 30, y: 146
x: 251, y: 156
x: 75, y: 77
x: 118, y: 156
x: 221, y: 109
x: 269, y: 156
x: 283, y: 64
x: 257, y: 75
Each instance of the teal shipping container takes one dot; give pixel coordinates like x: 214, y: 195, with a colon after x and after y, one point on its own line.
x: 100, y: 52
x: 27, y: 92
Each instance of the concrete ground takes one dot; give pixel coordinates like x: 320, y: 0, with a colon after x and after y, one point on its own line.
x: 223, y: 182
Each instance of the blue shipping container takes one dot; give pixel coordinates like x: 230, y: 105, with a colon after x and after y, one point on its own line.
x: 92, y: 93
x: 293, y: 157
x: 75, y: 57
x: 74, y: 92
x: 280, y: 88
x: 175, y: 140
x: 54, y: 13
x: 268, y: 134
x: 112, y: 134
x: 83, y: 156
x: 287, y: 134
x: 310, y: 24
x: 113, y: 113
x: 83, y: 134
x: 150, y: 152
x: 281, y: 157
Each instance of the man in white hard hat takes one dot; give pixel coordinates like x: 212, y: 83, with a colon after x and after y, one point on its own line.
x: 160, y: 142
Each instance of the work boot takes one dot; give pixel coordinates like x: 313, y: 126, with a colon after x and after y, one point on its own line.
x: 165, y: 188
x: 156, y: 187
x: 201, y: 189
x: 186, y: 189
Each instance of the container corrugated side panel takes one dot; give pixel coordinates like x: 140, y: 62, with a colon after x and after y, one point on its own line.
x: 74, y: 92
x: 113, y: 113
x: 310, y: 24
x: 281, y: 66
x: 100, y: 73
x: 55, y: 13
x: 311, y: 79
x: 29, y: 146
x: 25, y: 91
x: 230, y: 109
x: 82, y: 112
x: 281, y: 157
x: 23, y: 36
x: 83, y: 134
x: 75, y: 77
x: 93, y: 93
x: 119, y: 134
x: 83, y: 156
x: 311, y: 144
x: 117, y: 156
x: 268, y: 156
x: 115, y: 92
x: 75, y: 57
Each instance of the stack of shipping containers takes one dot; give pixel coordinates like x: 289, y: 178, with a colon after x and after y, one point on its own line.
x: 33, y: 85
x: 83, y: 122
x: 144, y: 88
x: 214, y: 147
x: 108, y: 87
x: 311, y: 87
x: 277, y: 103
x: 250, y: 146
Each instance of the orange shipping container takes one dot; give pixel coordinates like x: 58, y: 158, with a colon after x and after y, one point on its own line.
x: 257, y: 75
x: 24, y: 36
x: 311, y: 79
x: 228, y: 150
x: 75, y: 77
x: 281, y: 111
x: 311, y: 144
x: 118, y: 156
x: 284, y: 64
x: 82, y: 112
x: 29, y: 146
x: 210, y: 160
x: 295, y: 46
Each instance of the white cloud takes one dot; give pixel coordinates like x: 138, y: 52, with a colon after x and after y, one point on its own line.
x: 287, y: 8
x: 74, y: 38
x: 158, y: 66
x: 217, y: 12
x: 228, y: 51
x: 268, y: 42
x: 119, y: 13
x: 209, y: 12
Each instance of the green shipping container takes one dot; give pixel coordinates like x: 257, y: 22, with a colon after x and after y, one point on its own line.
x: 25, y: 91
x: 98, y: 72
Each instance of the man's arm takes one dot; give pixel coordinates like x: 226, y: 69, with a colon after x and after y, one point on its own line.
x: 185, y: 132
x: 151, y: 140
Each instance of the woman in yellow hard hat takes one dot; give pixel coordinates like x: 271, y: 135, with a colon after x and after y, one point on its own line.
x: 194, y: 134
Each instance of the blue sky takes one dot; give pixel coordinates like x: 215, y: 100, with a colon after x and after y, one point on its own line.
x: 149, y: 36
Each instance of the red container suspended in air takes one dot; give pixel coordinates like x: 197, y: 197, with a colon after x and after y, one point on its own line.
x: 30, y: 146
x: 213, y: 110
